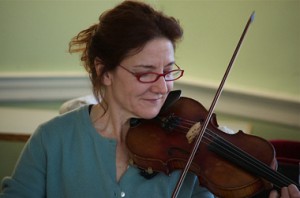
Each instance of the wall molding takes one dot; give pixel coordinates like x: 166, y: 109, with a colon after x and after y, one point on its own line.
x: 254, y: 104
x: 43, y: 86
x: 261, y: 105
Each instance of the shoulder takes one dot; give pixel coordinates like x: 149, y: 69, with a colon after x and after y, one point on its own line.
x: 81, y: 113
x: 68, y: 124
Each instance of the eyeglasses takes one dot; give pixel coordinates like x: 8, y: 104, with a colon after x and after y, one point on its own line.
x: 150, y: 77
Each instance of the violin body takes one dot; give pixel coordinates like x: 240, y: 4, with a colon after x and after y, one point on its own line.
x: 163, y: 144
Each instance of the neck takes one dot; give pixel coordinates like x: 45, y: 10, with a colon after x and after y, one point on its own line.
x: 109, y: 123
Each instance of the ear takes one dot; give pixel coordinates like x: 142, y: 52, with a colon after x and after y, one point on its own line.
x: 106, y: 77
x: 98, y: 65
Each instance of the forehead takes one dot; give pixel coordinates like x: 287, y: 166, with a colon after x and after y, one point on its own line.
x: 157, y: 52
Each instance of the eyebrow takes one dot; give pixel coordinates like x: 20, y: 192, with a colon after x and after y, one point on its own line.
x: 152, y: 66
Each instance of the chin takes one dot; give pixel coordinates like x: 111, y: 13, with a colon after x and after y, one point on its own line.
x: 149, y: 114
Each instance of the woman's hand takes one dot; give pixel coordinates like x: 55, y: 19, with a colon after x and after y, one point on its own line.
x: 286, y: 192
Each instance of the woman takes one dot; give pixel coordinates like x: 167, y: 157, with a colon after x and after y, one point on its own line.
x: 130, y: 58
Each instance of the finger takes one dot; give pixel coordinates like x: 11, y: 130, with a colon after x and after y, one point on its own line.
x: 293, y: 191
x: 285, y: 192
x: 274, y: 194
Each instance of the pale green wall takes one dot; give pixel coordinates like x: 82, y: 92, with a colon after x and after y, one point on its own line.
x: 9, y: 153
x: 34, y: 36
x: 269, y: 57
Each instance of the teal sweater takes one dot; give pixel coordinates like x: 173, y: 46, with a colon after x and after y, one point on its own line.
x: 66, y: 157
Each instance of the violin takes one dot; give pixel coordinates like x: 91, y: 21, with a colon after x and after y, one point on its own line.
x: 185, y: 136
x: 229, y: 165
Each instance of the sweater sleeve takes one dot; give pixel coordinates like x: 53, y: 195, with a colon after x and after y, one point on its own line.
x: 28, y: 178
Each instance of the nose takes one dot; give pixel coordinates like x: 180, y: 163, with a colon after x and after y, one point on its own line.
x: 161, y: 86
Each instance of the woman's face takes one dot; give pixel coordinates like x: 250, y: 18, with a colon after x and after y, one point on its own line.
x: 131, y: 98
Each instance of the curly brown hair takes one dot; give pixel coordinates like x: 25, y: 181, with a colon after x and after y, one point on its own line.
x: 120, y: 32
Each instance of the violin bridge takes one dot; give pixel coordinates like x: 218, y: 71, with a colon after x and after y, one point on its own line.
x: 193, y: 132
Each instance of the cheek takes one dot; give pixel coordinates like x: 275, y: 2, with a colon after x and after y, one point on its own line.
x: 170, y: 85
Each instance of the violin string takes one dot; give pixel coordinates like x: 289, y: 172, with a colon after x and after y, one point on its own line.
x: 252, y: 163
x: 265, y: 171
x: 242, y: 158
x: 273, y: 175
x: 223, y: 145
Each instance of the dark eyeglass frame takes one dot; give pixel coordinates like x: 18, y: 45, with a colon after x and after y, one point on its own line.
x: 139, y: 75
